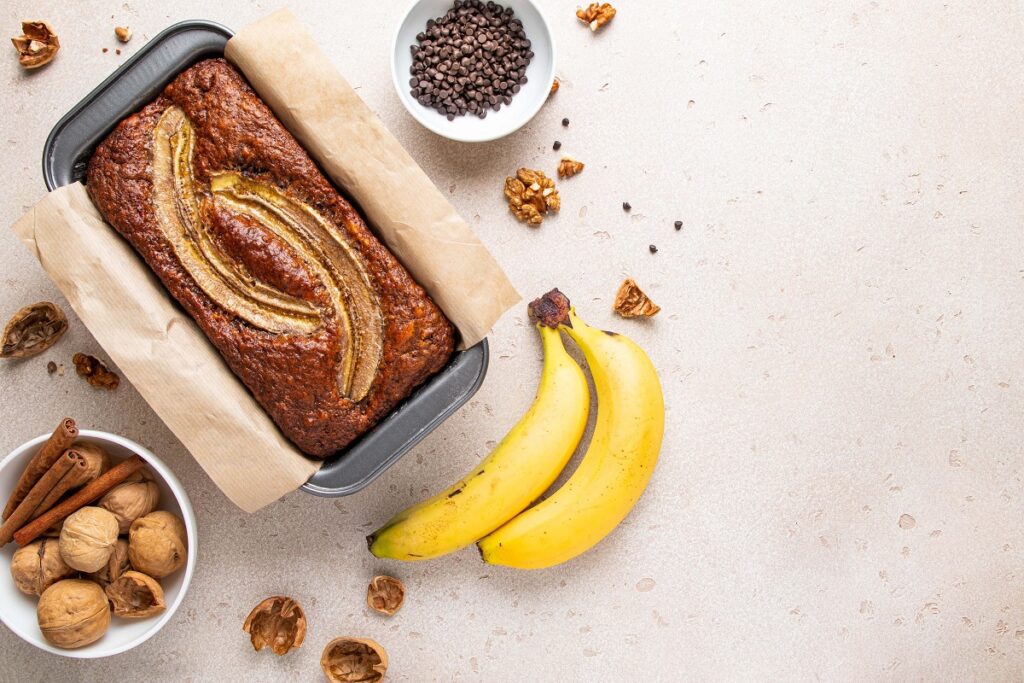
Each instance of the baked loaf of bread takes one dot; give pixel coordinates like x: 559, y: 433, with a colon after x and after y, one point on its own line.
x: 313, y: 314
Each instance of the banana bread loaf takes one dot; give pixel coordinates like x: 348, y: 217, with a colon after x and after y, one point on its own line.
x: 309, y: 310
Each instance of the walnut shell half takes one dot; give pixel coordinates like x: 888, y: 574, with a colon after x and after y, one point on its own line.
x: 278, y: 623
x: 385, y: 594
x: 354, y: 660
x: 135, y: 595
x: 32, y: 330
x: 37, y: 45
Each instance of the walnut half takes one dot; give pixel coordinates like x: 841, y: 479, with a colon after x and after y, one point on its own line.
x: 135, y: 595
x: 596, y: 15
x: 631, y: 302
x: 531, y: 195
x: 37, y: 45
x: 32, y: 330
x: 351, y: 660
x: 385, y: 594
x: 278, y: 623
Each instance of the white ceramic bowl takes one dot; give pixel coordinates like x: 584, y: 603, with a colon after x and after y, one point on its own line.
x: 510, y: 118
x: 18, y: 611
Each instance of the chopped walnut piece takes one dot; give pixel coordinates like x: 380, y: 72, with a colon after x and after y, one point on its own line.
x: 631, y: 302
x: 95, y: 372
x: 596, y: 14
x: 531, y: 195
x: 385, y: 594
x: 123, y: 33
x: 32, y: 330
x: 37, y: 45
x: 568, y: 167
x: 555, y: 85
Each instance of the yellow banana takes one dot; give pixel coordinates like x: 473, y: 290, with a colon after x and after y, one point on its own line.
x: 614, y: 471
x: 516, y: 473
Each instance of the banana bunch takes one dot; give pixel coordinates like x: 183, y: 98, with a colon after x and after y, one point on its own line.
x: 491, y: 505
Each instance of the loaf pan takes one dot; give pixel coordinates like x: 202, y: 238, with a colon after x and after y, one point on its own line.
x: 137, y: 82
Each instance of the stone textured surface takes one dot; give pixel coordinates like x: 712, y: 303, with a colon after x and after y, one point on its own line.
x: 840, y: 494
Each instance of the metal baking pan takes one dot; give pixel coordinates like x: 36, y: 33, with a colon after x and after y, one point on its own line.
x: 138, y: 81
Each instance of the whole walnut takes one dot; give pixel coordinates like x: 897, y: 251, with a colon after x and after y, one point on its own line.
x: 157, y: 544
x: 73, y: 613
x: 38, y: 566
x: 134, y: 498
x: 88, y: 538
x: 115, y: 566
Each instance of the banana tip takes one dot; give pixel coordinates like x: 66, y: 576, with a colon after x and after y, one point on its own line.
x: 552, y: 309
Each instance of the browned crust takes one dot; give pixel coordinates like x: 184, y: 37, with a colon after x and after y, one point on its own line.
x: 291, y: 376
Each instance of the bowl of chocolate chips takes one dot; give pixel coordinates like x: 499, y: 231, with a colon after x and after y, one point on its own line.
x: 472, y: 70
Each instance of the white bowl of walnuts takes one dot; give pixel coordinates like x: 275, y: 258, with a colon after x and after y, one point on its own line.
x: 108, y: 576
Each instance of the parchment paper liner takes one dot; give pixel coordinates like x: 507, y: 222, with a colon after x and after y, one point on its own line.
x: 159, y: 348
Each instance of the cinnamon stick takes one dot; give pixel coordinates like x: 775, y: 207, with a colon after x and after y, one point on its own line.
x: 94, y: 461
x: 61, y: 439
x: 24, y: 512
x: 92, y: 491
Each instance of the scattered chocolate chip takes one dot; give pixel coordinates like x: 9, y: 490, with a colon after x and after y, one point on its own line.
x: 565, y: 122
x: 557, y: 146
x: 470, y: 60
x: 626, y: 206
x: 679, y: 225
x: 654, y: 249
x: 51, y: 368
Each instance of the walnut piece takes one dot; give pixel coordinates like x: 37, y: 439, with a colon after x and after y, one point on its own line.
x: 134, y: 595
x: 32, y: 330
x: 278, y: 623
x: 596, y: 14
x: 157, y: 543
x: 38, y: 566
x: 631, y: 302
x: 568, y: 167
x: 351, y: 660
x: 95, y: 372
x: 123, y: 33
x: 37, y: 45
x: 73, y: 613
x: 88, y: 538
x: 385, y: 594
x: 531, y: 195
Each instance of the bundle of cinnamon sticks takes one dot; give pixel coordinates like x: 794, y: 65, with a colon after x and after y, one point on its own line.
x: 61, y: 478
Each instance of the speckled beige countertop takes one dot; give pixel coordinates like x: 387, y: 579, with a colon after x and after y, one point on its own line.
x: 840, y: 348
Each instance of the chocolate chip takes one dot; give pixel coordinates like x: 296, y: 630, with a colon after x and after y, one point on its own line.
x: 679, y: 225
x: 557, y: 146
x: 565, y: 122
x: 626, y: 206
x: 654, y: 249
